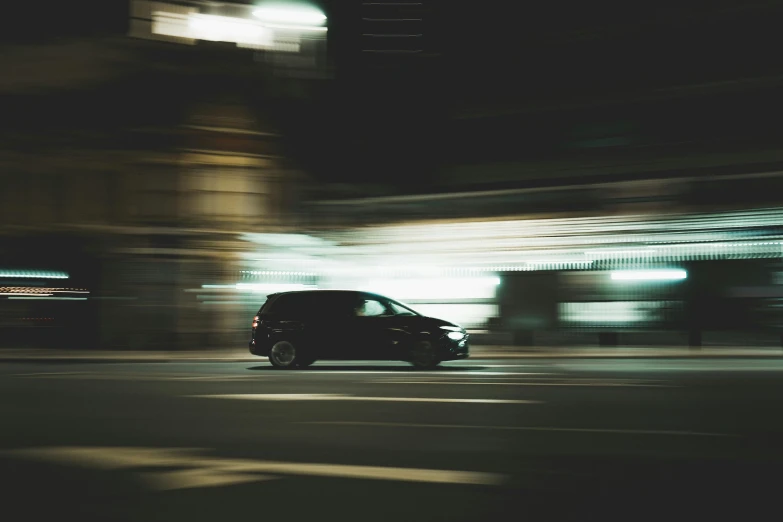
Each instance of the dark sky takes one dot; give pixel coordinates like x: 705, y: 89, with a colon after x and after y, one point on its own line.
x: 33, y: 21
x: 389, y: 112
x: 537, y: 46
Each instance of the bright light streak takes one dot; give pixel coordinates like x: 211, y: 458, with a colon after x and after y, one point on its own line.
x: 24, y: 293
x: 35, y: 290
x: 228, y: 29
x: 436, y: 288
x: 467, y: 315
x: 278, y: 273
x: 301, y: 15
x: 298, y: 28
x: 268, y: 288
x: 33, y: 274
x: 650, y: 275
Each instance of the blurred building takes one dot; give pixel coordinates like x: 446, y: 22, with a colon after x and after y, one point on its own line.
x: 135, y: 189
x: 164, y: 176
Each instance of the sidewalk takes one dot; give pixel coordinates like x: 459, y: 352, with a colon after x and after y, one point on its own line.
x: 477, y: 352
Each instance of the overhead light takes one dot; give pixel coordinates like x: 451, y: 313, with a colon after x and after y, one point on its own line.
x: 297, y: 15
x: 650, y: 275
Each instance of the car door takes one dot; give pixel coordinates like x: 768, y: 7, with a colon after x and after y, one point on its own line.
x: 374, y: 327
x: 331, y: 327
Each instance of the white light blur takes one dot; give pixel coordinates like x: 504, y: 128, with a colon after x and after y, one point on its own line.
x: 467, y: 315
x: 455, y: 336
x: 437, y: 288
x: 650, y: 275
x: 298, y: 28
x: 299, y: 15
x: 605, y: 313
x: 271, y: 288
x: 228, y: 29
x: 30, y: 274
x: 278, y: 273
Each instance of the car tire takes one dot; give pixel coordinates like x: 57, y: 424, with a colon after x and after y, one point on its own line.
x: 423, y: 355
x: 283, y: 355
x: 305, y: 361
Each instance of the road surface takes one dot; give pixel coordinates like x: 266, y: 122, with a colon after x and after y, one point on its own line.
x: 559, y: 439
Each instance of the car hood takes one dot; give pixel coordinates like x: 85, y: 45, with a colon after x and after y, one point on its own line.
x: 436, y: 323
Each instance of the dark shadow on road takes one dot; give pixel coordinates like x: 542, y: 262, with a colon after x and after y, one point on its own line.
x: 370, y: 368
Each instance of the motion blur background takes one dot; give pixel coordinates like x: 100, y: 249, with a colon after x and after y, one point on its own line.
x: 596, y: 173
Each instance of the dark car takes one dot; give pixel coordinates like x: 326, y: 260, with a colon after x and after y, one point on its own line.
x: 294, y: 329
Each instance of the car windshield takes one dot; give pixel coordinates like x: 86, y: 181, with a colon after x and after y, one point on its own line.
x: 401, y: 309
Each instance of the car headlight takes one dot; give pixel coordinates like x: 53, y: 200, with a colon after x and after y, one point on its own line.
x: 455, y: 336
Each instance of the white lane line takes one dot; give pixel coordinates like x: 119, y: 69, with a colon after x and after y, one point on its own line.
x: 198, y: 478
x: 204, y: 471
x: 524, y: 428
x: 515, y: 383
x: 338, y: 397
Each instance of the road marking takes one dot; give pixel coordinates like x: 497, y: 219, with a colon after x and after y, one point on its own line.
x: 495, y: 383
x: 338, y: 397
x: 198, y: 478
x: 203, y: 471
x: 523, y: 428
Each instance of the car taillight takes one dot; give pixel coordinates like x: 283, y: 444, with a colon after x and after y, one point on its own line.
x: 255, y: 322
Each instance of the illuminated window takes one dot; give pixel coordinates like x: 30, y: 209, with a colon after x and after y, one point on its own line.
x: 370, y: 308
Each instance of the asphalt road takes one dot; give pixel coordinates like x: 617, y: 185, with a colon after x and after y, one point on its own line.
x: 563, y: 439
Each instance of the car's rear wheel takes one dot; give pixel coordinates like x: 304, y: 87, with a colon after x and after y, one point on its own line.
x: 424, y: 355
x: 283, y: 355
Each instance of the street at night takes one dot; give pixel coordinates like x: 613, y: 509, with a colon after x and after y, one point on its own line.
x: 480, y: 439
x: 556, y: 230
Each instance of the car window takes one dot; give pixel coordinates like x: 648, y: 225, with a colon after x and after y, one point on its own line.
x: 285, y: 305
x: 399, y: 309
x: 307, y: 304
x: 370, y: 308
x: 331, y: 304
x: 267, y: 306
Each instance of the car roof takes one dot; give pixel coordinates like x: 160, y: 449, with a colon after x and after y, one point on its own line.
x: 325, y: 291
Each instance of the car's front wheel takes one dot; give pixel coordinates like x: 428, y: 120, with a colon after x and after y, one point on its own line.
x: 283, y: 355
x: 423, y: 355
